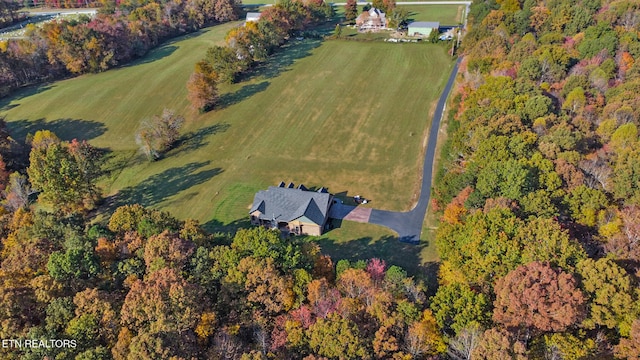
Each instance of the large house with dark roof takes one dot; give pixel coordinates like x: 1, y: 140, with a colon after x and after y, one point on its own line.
x: 292, y: 210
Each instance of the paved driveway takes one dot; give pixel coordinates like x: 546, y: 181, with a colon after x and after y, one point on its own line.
x: 349, y: 212
x: 408, y: 224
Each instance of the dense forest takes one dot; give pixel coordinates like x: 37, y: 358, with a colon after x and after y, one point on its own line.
x: 538, y: 191
x: 117, y: 34
x: 540, y: 187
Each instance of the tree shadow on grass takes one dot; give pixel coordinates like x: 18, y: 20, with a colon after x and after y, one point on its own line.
x: 196, y: 139
x: 162, y: 50
x: 282, y: 59
x: 6, y: 102
x: 388, y: 248
x: 153, y: 55
x: 217, y: 226
x: 411, y: 17
x: 245, y: 92
x: 159, y: 187
x: 159, y: 53
x: 65, y: 129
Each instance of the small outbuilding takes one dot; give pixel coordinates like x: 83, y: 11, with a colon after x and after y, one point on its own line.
x: 422, y: 28
x: 252, y: 17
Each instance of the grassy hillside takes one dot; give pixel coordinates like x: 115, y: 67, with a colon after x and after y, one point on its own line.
x: 346, y: 115
x: 107, y: 107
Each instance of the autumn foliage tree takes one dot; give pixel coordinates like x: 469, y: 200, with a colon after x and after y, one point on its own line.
x: 497, y: 344
x: 202, y: 87
x: 17, y: 191
x: 629, y: 348
x: 336, y: 337
x: 164, y: 302
x: 354, y: 283
x: 537, y: 296
x: 95, y: 304
x: 423, y: 338
x: 610, y: 294
x: 457, y: 307
x: 166, y: 250
x: 483, y: 246
x: 226, y: 10
x: 625, y: 243
x: 144, y: 221
x: 464, y: 344
x: 351, y: 10
x: 265, y: 287
x: 65, y: 174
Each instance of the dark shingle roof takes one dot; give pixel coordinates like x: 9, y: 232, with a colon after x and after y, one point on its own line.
x: 286, y: 204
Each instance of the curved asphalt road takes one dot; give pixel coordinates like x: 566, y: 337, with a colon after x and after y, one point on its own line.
x: 408, y: 224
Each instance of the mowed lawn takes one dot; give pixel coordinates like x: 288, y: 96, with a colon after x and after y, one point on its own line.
x: 445, y: 14
x: 106, y: 108
x: 346, y: 115
x: 355, y: 241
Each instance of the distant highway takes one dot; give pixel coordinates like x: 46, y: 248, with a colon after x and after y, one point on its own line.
x: 91, y: 11
x: 422, y: 3
x: 16, y: 31
x: 453, y: 2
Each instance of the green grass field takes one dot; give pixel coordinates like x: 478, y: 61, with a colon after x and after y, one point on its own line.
x: 346, y: 115
x: 445, y: 14
x: 356, y: 241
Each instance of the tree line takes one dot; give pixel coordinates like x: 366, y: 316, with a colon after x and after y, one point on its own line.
x: 147, y: 286
x: 249, y: 45
x: 540, y: 188
x: 117, y: 34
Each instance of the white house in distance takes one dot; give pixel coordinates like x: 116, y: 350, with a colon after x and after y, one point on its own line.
x: 373, y: 19
x: 253, y: 17
x: 422, y: 28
